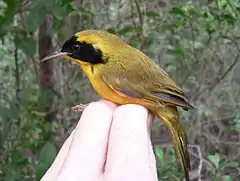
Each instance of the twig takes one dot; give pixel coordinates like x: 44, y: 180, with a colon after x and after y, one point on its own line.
x: 139, y: 13
x: 233, y: 9
x: 226, y: 73
x: 193, y: 53
x: 34, y: 66
x: 199, y: 170
x: 140, y: 36
x: 17, y: 77
x: 219, y: 79
x: 134, y: 22
x: 203, y: 160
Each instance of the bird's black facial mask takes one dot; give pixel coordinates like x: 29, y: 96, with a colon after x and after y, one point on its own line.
x: 82, y: 51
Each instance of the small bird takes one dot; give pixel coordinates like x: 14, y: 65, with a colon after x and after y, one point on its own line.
x: 125, y: 75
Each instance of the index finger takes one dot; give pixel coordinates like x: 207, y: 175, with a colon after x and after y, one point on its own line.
x: 83, y: 155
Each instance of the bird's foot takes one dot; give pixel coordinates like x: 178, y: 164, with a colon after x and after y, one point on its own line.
x: 79, y: 107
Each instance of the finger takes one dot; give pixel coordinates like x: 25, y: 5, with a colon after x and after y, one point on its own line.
x: 53, y: 171
x: 150, y: 121
x: 86, y: 154
x: 130, y: 155
x: 153, y: 168
x: 152, y: 161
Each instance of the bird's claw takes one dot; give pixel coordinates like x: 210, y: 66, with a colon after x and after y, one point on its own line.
x: 79, y: 107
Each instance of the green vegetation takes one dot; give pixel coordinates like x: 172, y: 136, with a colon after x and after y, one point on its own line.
x: 197, y: 42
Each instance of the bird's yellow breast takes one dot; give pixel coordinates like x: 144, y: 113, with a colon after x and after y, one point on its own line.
x: 103, y: 89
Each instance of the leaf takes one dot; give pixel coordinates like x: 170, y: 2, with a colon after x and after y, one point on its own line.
x: 11, y: 5
x: 59, y: 12
x: 111, y: 30
x: 238, y: 8
x: 102, y: 13
x: 178, y: 51
x: 2, y: 20
x: 66, y: 1
x: 40, y: 170
x: 47, y: 153
x: 230, y: 164
x: 159, y: 153
x: 152, y: 14
x: 28, y: 45
x: 237, y: 125
x: 215, y: 159
x: 178, y: 11
x: 36, y: 16
x: 88, y: 18
x: 229, y: 18
x: 227, y: 178
x: 171, y: 149
x: 11, y: 173
x: 223, y: 3
x: 126, y: 30
x: 46, y: 157
x: 17, y: 157
x: 40, y: 114
x: 154, y: 35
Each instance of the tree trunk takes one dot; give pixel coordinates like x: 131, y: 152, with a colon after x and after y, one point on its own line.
x: 45, y: 47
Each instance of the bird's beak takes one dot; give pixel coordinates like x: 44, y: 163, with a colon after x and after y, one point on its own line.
x: 55, y: 55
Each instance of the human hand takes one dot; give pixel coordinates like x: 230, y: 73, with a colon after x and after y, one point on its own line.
x: 109, y: 144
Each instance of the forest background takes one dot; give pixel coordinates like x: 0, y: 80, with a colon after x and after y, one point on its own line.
x: 196, y: 42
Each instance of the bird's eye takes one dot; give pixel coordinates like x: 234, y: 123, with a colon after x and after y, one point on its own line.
x: 76, y: 47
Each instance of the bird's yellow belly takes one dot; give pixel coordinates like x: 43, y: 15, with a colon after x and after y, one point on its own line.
x: 104, y: 90
x: 108, y: 93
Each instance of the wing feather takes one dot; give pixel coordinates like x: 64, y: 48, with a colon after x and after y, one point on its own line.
x: 144, y: 79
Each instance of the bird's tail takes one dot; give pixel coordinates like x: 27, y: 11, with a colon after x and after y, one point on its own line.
x: 169, y: 115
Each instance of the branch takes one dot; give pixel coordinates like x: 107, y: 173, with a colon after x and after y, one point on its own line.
x: 219, y: 79
x: 233, y: 9
x: 139, y: 13
x: 17, y: 80
x: 200, y: 165
x: 141, y: 38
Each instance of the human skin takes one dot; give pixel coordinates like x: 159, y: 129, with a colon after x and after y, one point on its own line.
x: 109, y: 143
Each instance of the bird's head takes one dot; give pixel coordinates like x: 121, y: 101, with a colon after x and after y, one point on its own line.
x: 89, y: 47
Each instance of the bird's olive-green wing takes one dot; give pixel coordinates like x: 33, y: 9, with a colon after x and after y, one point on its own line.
x: 144, y: 79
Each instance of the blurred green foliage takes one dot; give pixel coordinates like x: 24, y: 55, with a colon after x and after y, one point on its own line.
x: 197, y: 42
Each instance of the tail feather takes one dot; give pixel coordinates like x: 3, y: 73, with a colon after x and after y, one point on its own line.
x: 169, y: 115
